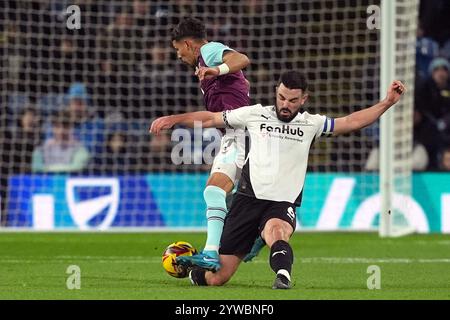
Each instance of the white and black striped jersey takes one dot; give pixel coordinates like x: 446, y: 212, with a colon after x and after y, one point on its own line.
x: 277, y: 156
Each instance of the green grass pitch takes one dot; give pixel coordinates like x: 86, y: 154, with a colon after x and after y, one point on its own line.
x: 128, y: 266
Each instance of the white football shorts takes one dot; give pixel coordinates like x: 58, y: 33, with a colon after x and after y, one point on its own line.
x: 231, y: 156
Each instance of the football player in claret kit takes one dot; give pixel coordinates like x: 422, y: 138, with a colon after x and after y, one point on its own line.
x: 271, y: 184
x: 224, y: 87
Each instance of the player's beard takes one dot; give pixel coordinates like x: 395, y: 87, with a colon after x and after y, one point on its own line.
x: 286, y: 118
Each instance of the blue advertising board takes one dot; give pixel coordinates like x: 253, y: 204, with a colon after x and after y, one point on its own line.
x: 330, y: 202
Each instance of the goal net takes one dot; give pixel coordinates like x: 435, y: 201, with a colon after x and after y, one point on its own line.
x: 116, y: 71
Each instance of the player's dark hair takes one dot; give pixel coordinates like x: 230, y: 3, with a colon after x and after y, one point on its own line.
x: 189, y: 28
x: 293, y: 80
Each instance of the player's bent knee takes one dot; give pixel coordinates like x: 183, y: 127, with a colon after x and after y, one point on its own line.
x: 217, y: 279
x: 279, y: 233
x: 221, y: 181
x: 277, y: 229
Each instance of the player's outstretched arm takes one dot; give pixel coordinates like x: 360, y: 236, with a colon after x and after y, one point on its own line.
x: 208, y: 120
x: 233, y: 61
x: 360, y: 119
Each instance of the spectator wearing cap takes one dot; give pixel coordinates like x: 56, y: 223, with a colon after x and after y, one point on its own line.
x: 87, y: 127
x: 78, y: 103
x: 426, y: 50
x: 432, y: 110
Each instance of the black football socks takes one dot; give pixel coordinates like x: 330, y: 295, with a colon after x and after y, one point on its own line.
x: 281, y: 259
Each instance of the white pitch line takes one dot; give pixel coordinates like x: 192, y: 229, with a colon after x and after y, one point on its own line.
x: 348, y: 260
x: 60, y: 261
x: 143, y: 259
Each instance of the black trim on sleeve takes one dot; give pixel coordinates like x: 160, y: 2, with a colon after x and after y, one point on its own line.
x: 225, y: 120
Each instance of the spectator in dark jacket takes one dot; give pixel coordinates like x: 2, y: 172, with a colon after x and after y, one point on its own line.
x: 432, y: 109
x: 24, y: 138
x: 117, y: 157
